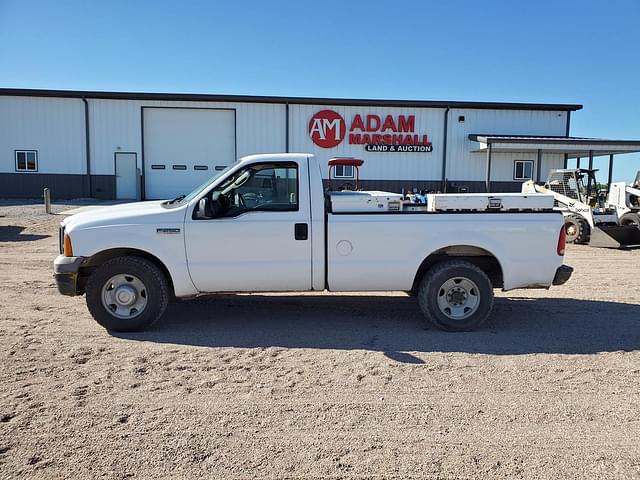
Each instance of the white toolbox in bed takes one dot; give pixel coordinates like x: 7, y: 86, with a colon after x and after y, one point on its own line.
x: 499, y: 202
x: 369, y: 201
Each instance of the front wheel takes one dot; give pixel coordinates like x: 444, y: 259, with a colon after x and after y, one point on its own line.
x: 127, y: 294
x: 456, y: 295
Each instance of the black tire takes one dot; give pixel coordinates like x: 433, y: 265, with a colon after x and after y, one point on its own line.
x: 577, y: 229
x: 432, y: 294
x: 155, y: 293
x: 630, y: 218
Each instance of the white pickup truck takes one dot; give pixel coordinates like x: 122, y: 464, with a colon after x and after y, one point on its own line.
x: 267, y: 224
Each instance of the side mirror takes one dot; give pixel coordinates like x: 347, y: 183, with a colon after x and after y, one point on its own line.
x: 203, y: 209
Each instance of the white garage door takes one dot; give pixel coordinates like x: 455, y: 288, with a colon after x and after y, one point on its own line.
x: 183, y: 147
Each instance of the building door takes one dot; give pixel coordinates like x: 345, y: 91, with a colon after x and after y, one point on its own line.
x: 126, y: 176
x: 183, y: 147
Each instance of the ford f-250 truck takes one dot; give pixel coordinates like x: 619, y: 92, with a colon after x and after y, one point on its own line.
x: 267, y: 224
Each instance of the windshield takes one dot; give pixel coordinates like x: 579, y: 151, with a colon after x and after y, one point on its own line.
x: 182, y: 199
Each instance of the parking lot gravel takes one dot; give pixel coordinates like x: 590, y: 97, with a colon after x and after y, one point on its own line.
x: 317, y: 385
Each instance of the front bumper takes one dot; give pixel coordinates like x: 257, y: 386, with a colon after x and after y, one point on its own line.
x: 65, y: 271
x: 563, y: 273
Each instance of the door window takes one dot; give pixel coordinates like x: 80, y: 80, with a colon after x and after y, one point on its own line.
x: 266, y: 187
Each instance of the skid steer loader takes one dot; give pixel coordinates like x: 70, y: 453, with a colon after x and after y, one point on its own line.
x: 588, y: 220
x: 626, y: 200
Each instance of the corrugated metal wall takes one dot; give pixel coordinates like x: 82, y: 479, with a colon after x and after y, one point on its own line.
x: 463, y: 163
x: 55, y: 127
x: 116, y: 125
x: 52, y: 126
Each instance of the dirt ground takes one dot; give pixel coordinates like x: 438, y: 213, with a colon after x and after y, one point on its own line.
x: 318, y: 386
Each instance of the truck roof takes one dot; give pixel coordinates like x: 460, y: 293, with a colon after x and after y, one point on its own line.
x: 275, y: 156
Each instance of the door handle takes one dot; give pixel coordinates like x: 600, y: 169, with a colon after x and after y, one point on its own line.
x: 301, y: 231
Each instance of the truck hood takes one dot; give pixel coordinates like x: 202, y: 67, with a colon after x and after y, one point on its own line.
x: 126, y: 214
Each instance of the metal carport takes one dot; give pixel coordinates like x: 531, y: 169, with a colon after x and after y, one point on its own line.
x: 571, y: 147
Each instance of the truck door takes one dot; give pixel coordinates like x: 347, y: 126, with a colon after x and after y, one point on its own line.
x: 255, y: 235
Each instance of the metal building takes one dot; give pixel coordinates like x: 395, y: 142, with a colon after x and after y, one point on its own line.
x: 153, y: 145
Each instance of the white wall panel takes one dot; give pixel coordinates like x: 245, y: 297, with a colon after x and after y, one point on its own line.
x: 465, y: 164
x: 502, y: 164
x: 52, y: 126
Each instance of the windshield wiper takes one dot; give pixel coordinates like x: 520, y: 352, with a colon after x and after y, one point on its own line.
x: 177, y: 199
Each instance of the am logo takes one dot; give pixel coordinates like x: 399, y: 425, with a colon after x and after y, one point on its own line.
x: 327, y: 128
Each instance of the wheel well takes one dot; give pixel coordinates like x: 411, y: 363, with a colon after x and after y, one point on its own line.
x: 480, y: 257
x: 94, y: 261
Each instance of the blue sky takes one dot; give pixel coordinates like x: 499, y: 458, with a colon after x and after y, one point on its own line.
x: 584, y: 52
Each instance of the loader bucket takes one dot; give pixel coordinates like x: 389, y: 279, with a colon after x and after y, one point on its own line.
x: 615, y: 236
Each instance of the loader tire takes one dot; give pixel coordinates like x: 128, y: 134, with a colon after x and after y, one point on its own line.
x: 630, y: 218
x: 577, y: 229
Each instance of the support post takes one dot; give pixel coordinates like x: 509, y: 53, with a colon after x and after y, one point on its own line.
x: 47, y: 200
x: 578, y: 162
x: 610, y: 173
x: 488, y: 181
x: 539, y: 165
x: 566, y: 161
x: 87, y: 145
x: 590, y: 167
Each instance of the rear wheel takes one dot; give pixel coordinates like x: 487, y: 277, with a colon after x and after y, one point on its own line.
x: 577, y: 229
x: 630, y: 218
x: 456, y: 296
x: 127, y: 294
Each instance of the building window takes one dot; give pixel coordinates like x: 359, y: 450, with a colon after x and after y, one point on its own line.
x: 26, y: 160
x: 343, y: 171
x: 523, y: 170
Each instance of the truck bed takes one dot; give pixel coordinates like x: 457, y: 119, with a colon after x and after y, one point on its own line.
x: 382, y: 251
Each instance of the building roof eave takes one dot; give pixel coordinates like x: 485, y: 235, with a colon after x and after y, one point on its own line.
x: 199, y: 97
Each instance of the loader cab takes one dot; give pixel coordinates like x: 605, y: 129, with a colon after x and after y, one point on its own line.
x: 579, y: 184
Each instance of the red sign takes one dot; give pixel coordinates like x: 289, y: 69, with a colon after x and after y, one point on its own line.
x: 378, y: 134
x: 327, y: 128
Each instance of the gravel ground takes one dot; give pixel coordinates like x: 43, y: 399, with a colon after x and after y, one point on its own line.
x: 319, y: 385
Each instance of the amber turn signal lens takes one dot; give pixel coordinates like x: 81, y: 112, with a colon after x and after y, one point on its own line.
x: 68, y: 249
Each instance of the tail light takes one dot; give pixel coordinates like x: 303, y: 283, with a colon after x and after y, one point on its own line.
x: 562, y: 241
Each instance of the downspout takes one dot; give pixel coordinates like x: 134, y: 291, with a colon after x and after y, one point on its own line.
x: 443, y: 181
x: 87, y: 145
x: 286, y: 127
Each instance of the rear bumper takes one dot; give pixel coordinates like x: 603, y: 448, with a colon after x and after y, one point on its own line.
x: 563, y: 273
x: 65, y: 271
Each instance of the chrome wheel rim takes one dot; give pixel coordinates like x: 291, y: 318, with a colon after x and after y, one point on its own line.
x: 458, y: 298
x: 124, y: 296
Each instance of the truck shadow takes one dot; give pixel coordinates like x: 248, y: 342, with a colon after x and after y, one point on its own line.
x: 13, y: 233
x: 393, y: 325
